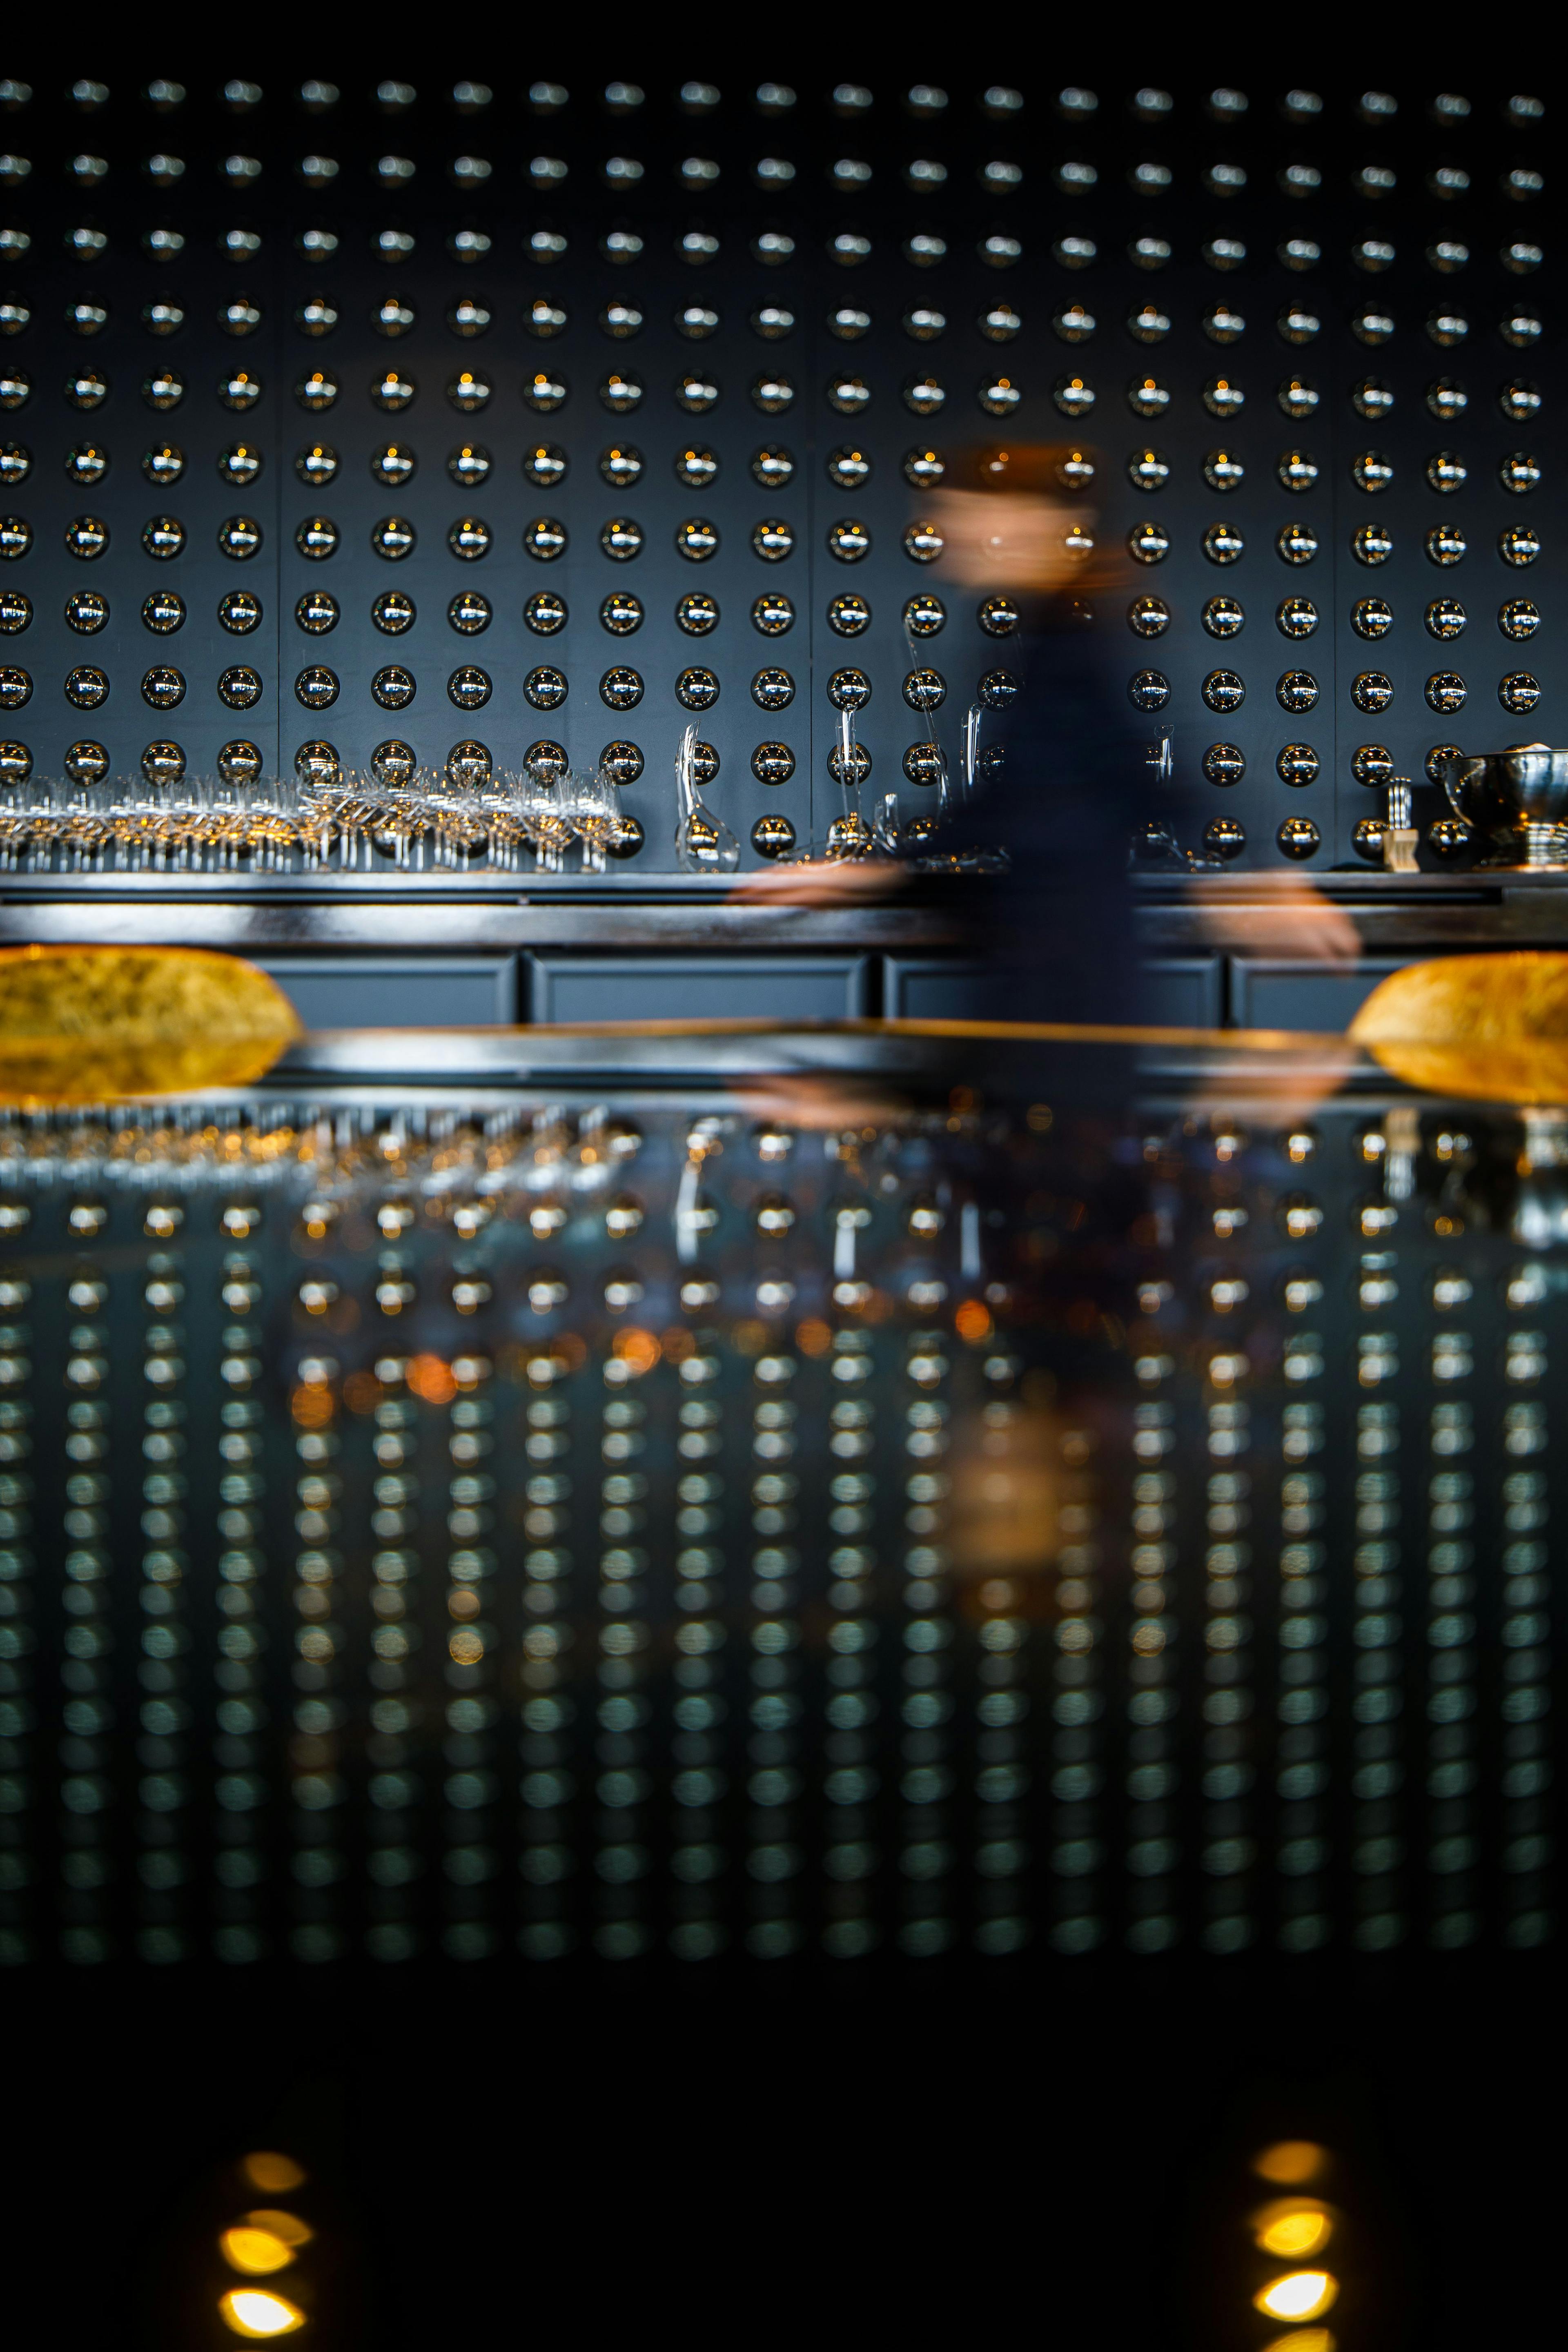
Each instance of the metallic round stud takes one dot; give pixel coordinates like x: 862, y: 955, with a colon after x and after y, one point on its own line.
x: 239, y: 688
x: 773, y: 836
x: 1372, y: 764
x: 773, y: 763
x: 163, y: 763
x: 622, y: 763
x: 773, y: 689
x: 468, y: 688
x: 544, y: 688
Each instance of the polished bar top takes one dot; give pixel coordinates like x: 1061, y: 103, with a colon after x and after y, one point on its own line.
x: 658, y: 1495
x: 450, y: 913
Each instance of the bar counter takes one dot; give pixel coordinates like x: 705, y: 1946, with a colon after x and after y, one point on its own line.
x: 848, y: 1495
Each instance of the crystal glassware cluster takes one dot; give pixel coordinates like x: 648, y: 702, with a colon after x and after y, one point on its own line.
x: 203, y: 825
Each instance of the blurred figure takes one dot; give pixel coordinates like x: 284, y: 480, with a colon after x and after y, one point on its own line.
x: 1067, y: 777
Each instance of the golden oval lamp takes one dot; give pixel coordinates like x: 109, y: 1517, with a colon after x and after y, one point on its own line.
x: 1491, y: 1028
x: 256, y: 2313
x: 268, y: 2241
x: 1291, y: 2163
x: 1292, y: 2228
x: 270, y: 2169
x: 105, y: 1025
x: 1298, y: 2295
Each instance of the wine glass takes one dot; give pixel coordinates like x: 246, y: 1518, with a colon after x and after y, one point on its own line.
x: 594, y: 815
x: 543, y: 821
x: 502, y: 798
x: 87, y: 826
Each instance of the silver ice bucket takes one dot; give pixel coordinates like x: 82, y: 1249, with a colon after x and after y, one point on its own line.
x: 1517, y: 799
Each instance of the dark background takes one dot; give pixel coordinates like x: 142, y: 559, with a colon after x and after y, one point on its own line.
x: 1066, y: 2149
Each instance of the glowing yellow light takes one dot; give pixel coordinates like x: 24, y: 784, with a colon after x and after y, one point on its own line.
x: 255, y: 2251
x: 1298, y: 2295
x: 266, y: 2169
x: 1292, y: 2162
x: 251, y: 2311
x: 1304, y: 2339
x: 287, y: 2226
x: 1292, y: 2228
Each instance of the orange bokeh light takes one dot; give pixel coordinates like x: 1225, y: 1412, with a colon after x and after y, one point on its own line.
x: 431, y: 1379
x: 972, y: 1322
x: 637, y: 1349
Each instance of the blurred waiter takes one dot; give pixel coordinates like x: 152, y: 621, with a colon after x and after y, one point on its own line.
x: 1068, y: 780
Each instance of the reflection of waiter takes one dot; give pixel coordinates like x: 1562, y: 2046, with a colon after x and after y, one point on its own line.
x: 1073, y: 782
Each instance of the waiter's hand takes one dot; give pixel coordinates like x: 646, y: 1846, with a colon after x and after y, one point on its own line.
x: 821, y: 882
x: 1281, y: 914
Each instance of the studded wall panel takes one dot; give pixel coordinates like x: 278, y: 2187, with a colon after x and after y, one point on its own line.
x: 397, y: 419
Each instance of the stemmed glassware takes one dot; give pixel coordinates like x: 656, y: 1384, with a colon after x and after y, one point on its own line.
x: 596, y: 816
x: 849, y: 836
x: 500, y: 797
x: 544, y: 819
x: 704, y: 842
x: 217, y: 825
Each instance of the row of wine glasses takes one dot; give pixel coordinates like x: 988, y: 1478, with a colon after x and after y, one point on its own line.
x: 420, y: 819
x: 205, y: 826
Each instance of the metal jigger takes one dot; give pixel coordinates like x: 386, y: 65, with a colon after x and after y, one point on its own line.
x: 1399, y: 833
x: 1519, y: 799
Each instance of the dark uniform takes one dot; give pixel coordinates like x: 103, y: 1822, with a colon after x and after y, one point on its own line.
x: 1072, y: 785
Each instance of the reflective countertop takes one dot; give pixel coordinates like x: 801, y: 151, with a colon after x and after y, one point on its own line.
x: 839, y: 1497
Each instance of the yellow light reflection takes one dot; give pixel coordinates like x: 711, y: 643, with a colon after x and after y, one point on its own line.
x: 266, y: 2169
x: 1298, y: 2295
x: 1292, y: 2227
x: 1304, y: 2339
x: 255, y: 2252
x: 287, y: 2226
x: 1292, y: 2162
x: 251, y: 2311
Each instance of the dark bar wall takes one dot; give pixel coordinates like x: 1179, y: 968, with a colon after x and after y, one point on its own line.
x: 358, y: 416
